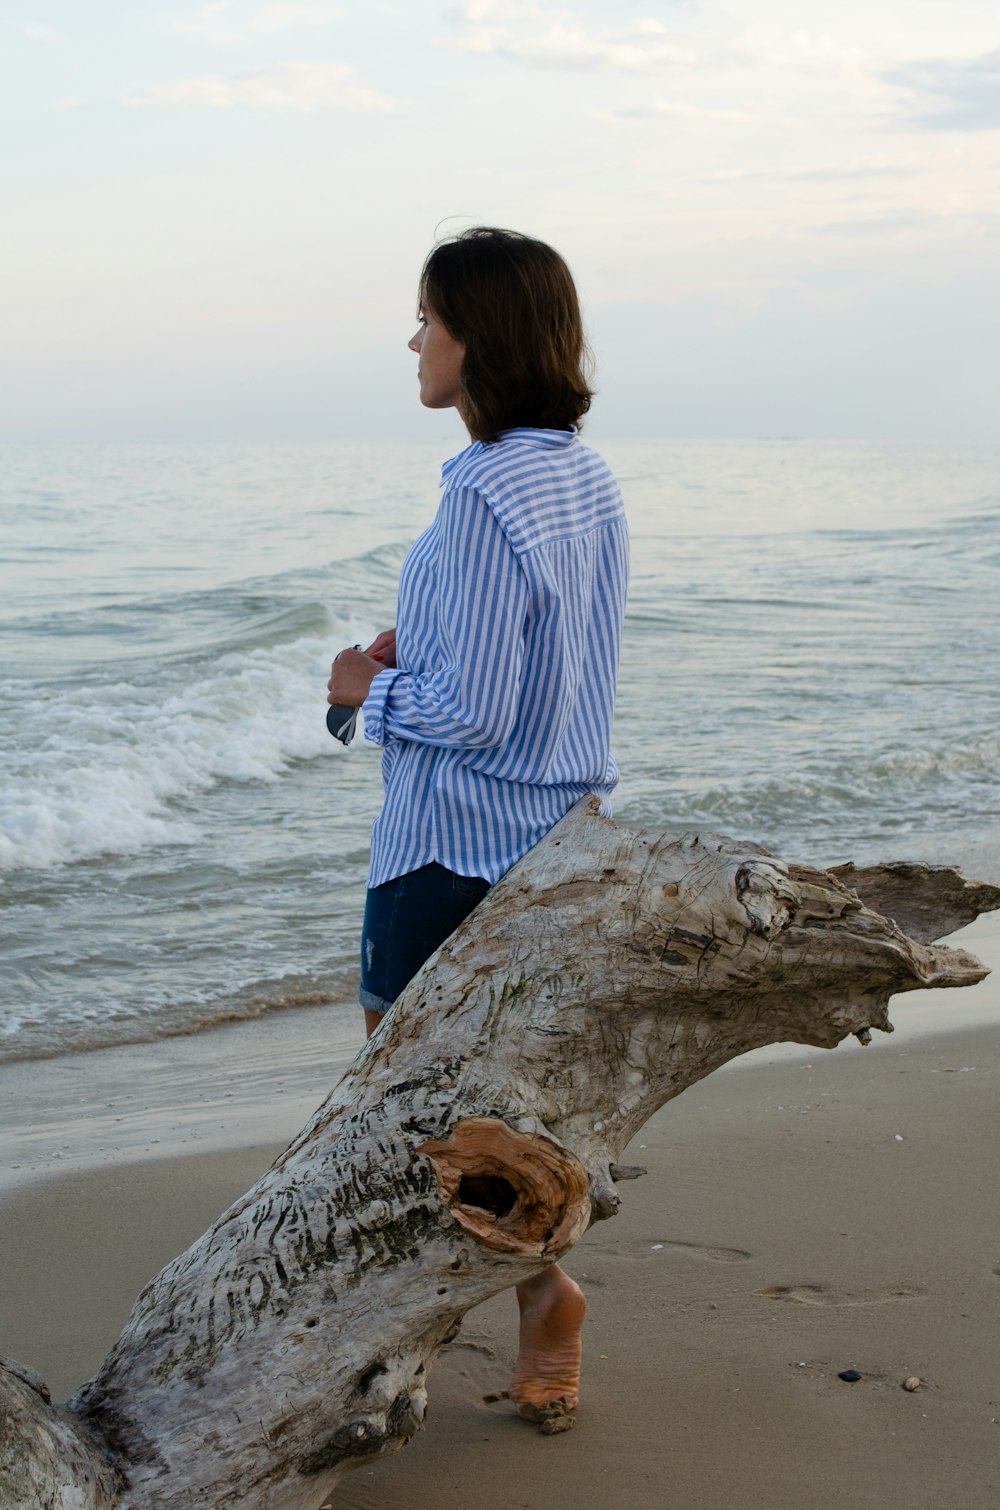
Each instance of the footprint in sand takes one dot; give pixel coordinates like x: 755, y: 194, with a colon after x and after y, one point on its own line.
x: 703, y: 1250
x: 824, y: 1295
x: 638, y: 1252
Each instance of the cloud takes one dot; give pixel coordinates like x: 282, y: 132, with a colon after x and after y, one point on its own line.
x: 966, y: 92
x: 504, y: 12
x: 889, y: 223
x: 227, y: 22
x: 674, y: 110
x: 848, y: 175
x: 44, y: 34
x: 285, y: 86
x: 802, y: 53
x: 548, y: 38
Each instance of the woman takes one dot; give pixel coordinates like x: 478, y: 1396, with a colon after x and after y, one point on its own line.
x: 493, y: 697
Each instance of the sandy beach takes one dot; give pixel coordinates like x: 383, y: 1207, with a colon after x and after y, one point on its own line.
x: 803, y: 1214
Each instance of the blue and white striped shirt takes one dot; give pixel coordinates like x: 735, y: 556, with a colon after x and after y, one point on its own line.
x: 497, y: 717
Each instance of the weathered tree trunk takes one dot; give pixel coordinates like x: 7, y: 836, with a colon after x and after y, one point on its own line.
x: 469, y: 1146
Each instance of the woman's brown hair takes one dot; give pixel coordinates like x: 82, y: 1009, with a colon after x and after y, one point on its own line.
x: 512, y: 303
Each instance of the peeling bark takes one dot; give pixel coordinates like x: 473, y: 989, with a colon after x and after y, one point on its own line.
x: 927, y: 901
x: 470, y: 1144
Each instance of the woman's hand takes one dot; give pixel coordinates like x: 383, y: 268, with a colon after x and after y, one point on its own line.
x: 383, y: 648
x: 353, y: 674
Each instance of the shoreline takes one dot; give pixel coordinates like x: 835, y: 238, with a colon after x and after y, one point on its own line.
x: 259, y: 1080
x: 253, y: 1081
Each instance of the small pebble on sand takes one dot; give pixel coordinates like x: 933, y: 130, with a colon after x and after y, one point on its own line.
x: 912, y: 1383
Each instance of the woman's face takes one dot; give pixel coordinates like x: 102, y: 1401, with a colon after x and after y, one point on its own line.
x: 440, y: 366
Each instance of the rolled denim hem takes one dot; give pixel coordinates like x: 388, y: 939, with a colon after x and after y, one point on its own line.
x: 373, y: 1003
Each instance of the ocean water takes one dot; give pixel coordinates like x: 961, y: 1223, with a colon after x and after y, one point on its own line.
x: 811, y: 661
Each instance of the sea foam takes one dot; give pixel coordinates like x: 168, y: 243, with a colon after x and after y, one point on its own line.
x: 106, y: 769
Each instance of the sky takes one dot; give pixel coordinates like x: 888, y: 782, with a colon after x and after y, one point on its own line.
x: 783, y: 218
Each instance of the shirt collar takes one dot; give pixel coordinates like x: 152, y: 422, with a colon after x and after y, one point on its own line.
x: 528, y: 435
x: 525, y: 435
x: 450, y: 465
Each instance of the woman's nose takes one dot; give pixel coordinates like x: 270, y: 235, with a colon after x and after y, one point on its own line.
x: 414, y: 342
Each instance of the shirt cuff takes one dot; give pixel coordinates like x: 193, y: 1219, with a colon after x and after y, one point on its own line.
x: 373, y: 706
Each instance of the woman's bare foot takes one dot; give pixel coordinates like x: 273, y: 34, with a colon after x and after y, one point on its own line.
x: 548, y: 1362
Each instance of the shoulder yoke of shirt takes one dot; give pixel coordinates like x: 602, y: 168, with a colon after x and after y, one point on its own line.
x: 542, y: 485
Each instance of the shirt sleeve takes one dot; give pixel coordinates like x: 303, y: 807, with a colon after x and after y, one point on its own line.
x: 471, y: 700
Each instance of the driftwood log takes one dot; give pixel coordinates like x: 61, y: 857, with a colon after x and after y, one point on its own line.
x: 471, y: 1144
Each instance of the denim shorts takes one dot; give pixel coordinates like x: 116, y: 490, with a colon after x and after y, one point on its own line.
x: 406, y: 920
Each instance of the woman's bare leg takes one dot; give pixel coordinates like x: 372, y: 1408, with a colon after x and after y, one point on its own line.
x: 548, y: 1363
x: 552, y: 1310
